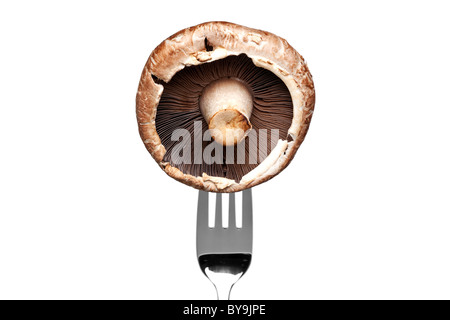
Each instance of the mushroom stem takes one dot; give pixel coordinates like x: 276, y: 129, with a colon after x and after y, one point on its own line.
x: 226, y: 105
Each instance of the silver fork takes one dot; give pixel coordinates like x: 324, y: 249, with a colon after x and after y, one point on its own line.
x: 224, y: 254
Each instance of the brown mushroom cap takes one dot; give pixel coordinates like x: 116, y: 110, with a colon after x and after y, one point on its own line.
x: 208, y: 45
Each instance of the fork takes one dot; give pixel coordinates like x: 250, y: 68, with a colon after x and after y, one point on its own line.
x: 224, y: 254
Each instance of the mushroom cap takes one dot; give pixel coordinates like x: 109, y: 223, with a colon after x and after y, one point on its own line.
x: 213, y: 41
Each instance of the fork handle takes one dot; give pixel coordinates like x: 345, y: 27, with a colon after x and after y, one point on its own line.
x: 224, y: 286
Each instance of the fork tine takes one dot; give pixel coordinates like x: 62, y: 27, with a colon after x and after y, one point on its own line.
x: 247, y: 210
x: 218, y: 210
x: 232, y: 211
x: 224, y: 254
x: 202, y: 210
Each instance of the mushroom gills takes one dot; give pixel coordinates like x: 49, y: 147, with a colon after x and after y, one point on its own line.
x: 263, y: 103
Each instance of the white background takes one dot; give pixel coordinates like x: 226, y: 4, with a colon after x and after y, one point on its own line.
x: 362, y: 212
